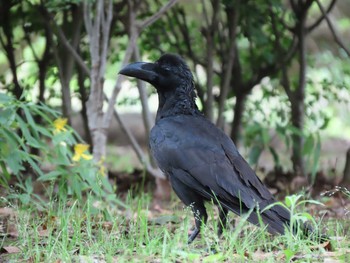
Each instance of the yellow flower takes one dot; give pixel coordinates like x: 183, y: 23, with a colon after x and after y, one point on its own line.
x: 59, y: 124
x: 79, y: 150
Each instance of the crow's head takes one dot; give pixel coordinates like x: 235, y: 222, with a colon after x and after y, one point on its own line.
x: 168, y: 73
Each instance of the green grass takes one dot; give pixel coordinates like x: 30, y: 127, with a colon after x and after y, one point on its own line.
x: 93, y: 231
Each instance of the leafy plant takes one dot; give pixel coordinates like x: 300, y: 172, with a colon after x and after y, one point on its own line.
x: 73, y: 171
x: 297, y: 219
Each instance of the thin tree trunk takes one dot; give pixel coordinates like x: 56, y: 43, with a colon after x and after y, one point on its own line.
x: 346, y: 174
x: 84, y: 97
x: 297, y: 108
x: 5, y: 23
x: 232, y: 16
x: 67, y: 61
x: 210, y: 51
x: 297, y: 103
x: 238, y: 116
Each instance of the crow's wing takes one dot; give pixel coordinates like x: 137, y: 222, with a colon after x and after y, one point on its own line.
x: 206, y: 159
x: 196, y: 146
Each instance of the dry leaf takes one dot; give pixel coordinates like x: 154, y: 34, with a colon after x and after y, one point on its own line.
x: 43, y: 233
x: 9, y: 250
x: 107, y: 225
x: 325, y: 245
x: 7, y: 211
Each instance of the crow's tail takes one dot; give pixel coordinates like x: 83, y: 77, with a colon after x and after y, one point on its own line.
x: 277, y: 219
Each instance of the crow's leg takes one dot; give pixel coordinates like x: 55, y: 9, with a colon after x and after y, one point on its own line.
x: 192, y: 199
x: 200, y: 216
x: 222, y: 219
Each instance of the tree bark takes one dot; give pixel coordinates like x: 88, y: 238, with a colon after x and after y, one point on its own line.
x: 5, y: 23
x: 67, y: 61
x: 232, y: 14
x: 84, y: 98
x: 210, y: 51
x: 297, y: 101
x: 98, y: 28
x: 297, y: 112
x: 237, y: 118
x: 346, y: 174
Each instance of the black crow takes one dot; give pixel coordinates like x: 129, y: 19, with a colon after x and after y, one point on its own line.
x: 200, y: 160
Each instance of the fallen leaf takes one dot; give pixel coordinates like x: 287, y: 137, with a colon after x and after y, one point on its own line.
x: 9, y: 250
x: 107, y: 225
x: 43, y: 233
x: 6, y: 211
x: 325, y: 245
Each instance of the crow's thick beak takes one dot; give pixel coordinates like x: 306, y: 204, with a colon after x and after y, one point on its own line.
x: 141, y: 70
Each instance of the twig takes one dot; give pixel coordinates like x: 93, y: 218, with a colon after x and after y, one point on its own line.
x: 70, y: 48
x: 332, y: 29
x: 138, y: 150
x: 147, y: 22
x: 117, y: 87
x: 323, y: 16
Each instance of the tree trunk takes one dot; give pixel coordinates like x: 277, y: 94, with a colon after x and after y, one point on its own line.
x: 238, y: 116
x: 297, y: 103
x: 210, y: 52
x: 98, y: 29
x: 297, y: 107
x: 346, y: 176
x: 6, y: 24
x: 67, y: 61
x: 232, y: 14
x: 84, y: 97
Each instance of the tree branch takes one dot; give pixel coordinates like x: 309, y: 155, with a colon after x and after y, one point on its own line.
x: 234, y: 13
x: 332, y: 29
x: 117, y: 87
x: 147, y: 22
x: 322, y: 17
x: 66, y: 43
x: 106, y: 25
x: 138, y: 150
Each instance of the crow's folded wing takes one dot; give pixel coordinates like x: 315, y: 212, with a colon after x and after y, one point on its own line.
x: 205, y: 153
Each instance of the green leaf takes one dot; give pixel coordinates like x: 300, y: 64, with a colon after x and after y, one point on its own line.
x: 214, y: 258
x: 62, y: 155
x: 162, y: 220
x: 289, y: 254
x: 13, y: 138
x: 29, y: 185
x: 5, y: 176
x: 44, y: 131
x: 4, y: 98
x: 309, y: 145
x: 34, y: 165
x: 30, y: 140
x: 53, y: 175
x: 30, y: 120
x: 289, y: 201
x: 254, y: 154
x: 14, y: 161
x: 76, y: 185
x: 316, y: 158
x: 7, y: 116
x: 307, y: 216
x: 106, y: 184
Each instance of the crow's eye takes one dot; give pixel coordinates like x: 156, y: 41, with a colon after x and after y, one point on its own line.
x: 166, y: 68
